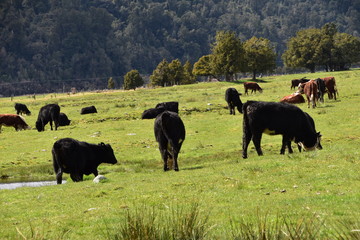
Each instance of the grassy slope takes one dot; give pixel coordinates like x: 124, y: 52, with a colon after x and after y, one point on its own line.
x: 212, y: 173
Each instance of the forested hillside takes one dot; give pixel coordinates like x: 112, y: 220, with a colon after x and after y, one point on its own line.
x: 53, y: 45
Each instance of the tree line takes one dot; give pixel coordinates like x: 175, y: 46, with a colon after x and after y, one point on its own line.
x: 47, y: 45
x: 310, y: 48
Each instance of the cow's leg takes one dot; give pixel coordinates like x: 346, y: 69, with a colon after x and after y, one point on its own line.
x: 232, y: 108
x: 163, y: 147
x: 56, y: 123
x: 247, y: 135
x: 299, y: 147
x: 308, y: 100
x: 175, y: 157
x: 165, y: 155
x: 59, y: 176
x: 257, y: 142
x: 51, y: 125
x: 286, y: 143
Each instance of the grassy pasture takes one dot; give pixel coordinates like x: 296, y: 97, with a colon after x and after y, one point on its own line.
x: 322, y: 186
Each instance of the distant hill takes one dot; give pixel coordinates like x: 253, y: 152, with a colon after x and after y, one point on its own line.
x: 50, y: 46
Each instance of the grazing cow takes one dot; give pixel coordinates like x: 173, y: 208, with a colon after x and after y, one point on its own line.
x: 79, y: 158
x: 48, y: 113
x: 295, y: 82
x: 170, y: 134
x: 278, y: 118
x: 330, y: 85
x: 64, y: 120
x: 152, y: 113
x: 293, y: 98
x: 310, y: 89
x: 13, y: 120
x: 22, y: 109
x: 252, y: 86
x: 169, y: 106
x: 87, y: 110
x: 159, y: 108
x: 233, y: 100
x: 321, y: 89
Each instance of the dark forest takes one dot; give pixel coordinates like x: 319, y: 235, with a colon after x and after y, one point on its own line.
x: 52, y: 45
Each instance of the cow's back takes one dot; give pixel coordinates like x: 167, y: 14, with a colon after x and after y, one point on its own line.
x: 170, y: 125
x: 280, y: 117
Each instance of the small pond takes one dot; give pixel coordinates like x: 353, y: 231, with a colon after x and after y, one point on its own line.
x: 14, y: 185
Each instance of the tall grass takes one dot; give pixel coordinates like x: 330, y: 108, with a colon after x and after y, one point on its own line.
x: 148, y: 224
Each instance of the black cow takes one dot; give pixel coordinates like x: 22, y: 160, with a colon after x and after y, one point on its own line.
x: 152, y: 113
x: 295, y: 82
x: 64, y: 120
x: 48, y: 113
x: 87, y: 110
x: 321, y: 89
x: 159, y: 108
x: 169, y: 106
x: 79, y: 158
x: 278, y: 118
x: 22, y: 109
x: 233, y: 100
x: 170, y: 134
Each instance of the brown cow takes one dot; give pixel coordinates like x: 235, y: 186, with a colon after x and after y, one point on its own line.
x: 252, y: 86
x: 310, y: 90
x: 330, y: 85
x: 13, y: 120
x: 293, y: 98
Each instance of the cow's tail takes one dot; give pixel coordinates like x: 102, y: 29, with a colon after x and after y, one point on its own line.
x: 55, y: 152
x: 312, y: 99
x: 170, y: 124
x: 246, y: 126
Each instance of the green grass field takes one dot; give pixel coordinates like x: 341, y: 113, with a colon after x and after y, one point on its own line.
x: 312, y: 190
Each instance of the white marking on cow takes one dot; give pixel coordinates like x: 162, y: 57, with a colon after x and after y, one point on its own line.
x: 308, y: 148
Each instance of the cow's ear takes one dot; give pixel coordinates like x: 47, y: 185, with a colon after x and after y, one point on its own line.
x: 240, y: 94
x: 102, y: 144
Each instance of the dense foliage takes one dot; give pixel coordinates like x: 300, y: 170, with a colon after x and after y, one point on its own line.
x: 322, y: 47
x: 132, y: 80
x: 48, y: 45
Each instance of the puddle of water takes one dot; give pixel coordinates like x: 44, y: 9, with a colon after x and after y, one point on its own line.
x: 27, y: 184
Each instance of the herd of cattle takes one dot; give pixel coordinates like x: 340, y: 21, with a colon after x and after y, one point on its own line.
x: 78, y: 158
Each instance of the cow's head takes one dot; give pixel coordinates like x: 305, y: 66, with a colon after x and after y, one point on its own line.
x: 39, y: 126
x: 301, y: 88
x: 311, y: 148
x: 108, y: 152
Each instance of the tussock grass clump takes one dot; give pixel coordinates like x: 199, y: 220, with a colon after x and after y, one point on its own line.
x: 148, y: 224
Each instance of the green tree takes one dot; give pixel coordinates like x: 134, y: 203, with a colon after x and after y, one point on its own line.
x: 259, y: 55
x: 176, y: 72
x: 302, y: 50
x: 189, y: 77
x: 326, y: 47
x: 161, y: 75
x: 132, y: 80
x: 203, y: 66
x: 227, y: 55
x: 347, y: 50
